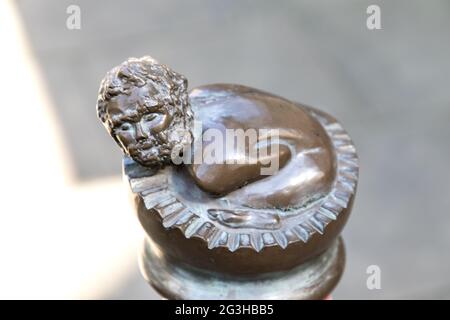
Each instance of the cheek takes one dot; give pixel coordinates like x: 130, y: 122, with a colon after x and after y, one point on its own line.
x: 125, y: 138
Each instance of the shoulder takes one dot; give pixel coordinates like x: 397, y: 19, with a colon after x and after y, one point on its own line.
x: 223, y: 91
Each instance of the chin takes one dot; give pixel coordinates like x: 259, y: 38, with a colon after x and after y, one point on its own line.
x: 148, y: 160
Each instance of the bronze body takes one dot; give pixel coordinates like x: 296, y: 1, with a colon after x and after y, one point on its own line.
x: 245, y: 232
x: 305, y: 150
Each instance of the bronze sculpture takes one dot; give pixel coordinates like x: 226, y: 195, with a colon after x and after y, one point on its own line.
x: 262, y: 220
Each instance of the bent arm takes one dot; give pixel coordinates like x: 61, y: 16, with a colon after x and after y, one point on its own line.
x: 222, y: 178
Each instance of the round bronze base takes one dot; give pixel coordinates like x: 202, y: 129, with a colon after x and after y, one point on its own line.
x: 314, y: 279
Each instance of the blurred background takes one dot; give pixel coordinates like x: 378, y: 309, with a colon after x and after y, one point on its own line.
x: 66, y: 227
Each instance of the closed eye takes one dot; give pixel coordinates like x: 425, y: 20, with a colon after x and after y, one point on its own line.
x: 149, y: 117
x: 125, y: 126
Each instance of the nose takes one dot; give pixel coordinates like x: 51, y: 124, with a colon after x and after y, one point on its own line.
x: 140, y: 134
